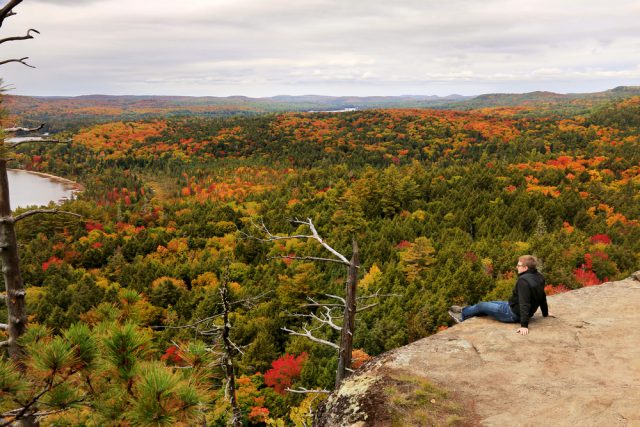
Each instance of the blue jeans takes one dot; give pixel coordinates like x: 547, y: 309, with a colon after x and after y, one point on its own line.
x: 499, y: 310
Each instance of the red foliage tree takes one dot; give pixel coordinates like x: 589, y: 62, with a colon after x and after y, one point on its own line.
x: 601, y: 238
x: 172, y: 355
x: 93, y: 225
x: 54, y: 260
x: 258, y: 414
x: 284, y: 370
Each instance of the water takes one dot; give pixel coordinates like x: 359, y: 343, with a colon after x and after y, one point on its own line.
x: 28, y: 189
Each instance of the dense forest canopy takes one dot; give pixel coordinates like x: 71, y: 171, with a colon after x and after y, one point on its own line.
x: 441, y: 203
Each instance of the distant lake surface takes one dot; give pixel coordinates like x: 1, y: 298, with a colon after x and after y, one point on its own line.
x: 29, y: 188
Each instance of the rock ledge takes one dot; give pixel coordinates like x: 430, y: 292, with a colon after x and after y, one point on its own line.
x: 580, y: 368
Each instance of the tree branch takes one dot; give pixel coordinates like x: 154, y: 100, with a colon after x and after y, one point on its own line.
x: 310, y: 258
x: 7, y: 10
x: 191, y: 325
x: 359, y: 309
x: 23, y: 129
x: 303, y: 390
x: 35, y: 139
x: 326, y: 319
x: 43, y: 211
x: 4, y: 326
x: 312, y: 338
x: 251, y: 301
x: 314, y: 235
x: 342, y: 300
x: 377, y: 295
x: 28, y: 36
x: 20, y: 60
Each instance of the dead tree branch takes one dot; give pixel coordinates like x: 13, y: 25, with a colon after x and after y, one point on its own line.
x: 326, y: 318
x: 28, y: 36
x: 7, y: 10
x: 306, y: 258
x: 377, y: 294
x: 23, y: 129
x: 342, y: 300
x: 366, y: 307
x: 191, y: 325
x: 303, y: 390
x: 35, y: 139
x: 43, y: 211
x: 251, y: 301
x: 314, y: 236
x: 309, y: 334
x: 20, y: 60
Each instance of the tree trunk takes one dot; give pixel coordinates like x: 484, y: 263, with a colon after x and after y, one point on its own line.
x: 348, y: 326
x: 227, y: 359
x: 17, y: 316
x: 14, y: 286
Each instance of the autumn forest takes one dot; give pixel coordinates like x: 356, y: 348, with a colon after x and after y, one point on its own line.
x: 137, y: 308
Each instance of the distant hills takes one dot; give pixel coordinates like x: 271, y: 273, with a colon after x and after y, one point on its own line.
x: 540, y: 98
x: 62, y: 111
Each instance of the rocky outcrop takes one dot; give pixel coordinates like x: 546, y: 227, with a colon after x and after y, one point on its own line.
x: 578, y: 368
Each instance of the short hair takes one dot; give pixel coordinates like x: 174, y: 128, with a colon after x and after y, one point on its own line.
x: 529, y: 261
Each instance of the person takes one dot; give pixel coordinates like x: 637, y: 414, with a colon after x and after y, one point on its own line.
x: 528, y: 295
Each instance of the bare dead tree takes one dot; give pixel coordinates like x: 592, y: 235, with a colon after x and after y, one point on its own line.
x: 348, y: 304
x: 326, y: 316
x: 14, y: 285
x: 222, y: 345
x: 227, y: 358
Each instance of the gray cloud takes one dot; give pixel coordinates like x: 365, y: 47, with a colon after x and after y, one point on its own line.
x: 256, y: 47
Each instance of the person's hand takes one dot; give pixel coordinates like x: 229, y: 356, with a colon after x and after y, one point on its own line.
x: 523, y: 331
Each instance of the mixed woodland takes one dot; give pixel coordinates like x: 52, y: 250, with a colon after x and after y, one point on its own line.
x: 129, y: 304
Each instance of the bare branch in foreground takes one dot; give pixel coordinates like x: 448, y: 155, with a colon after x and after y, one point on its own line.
x: 7, y: 10
x: 43, y: 211
x: 314, y: 235
x: 28, y: 36
x: 251, y: 301
x: 36, y: 139
x: 20, y: 60
x: 191, y: 325
x: 306, y: 258
x: 4, y: 344
x: 326, y: 319
x: 366, y: 307
x: 377, y: 294
x: 306, y: 391
x: 23, y: 129
x: 307, y: 333
x: 342, y: 300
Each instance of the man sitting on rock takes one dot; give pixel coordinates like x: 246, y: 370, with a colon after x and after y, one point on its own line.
x: 528, y: 294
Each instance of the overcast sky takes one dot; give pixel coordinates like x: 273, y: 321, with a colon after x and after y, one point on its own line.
x: 326, y: 47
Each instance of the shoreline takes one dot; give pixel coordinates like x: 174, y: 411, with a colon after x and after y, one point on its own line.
x: 69, y: 185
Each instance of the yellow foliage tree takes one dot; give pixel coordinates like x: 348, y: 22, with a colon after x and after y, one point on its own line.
x: 417, y: 258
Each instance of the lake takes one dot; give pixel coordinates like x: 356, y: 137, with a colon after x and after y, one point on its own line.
x: 29, y: 188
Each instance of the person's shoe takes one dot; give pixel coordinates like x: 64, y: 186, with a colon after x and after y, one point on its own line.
x: 457, y: 317
x: 455, y: 309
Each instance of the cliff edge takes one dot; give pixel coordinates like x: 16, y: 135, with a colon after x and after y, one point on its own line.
x: 579, y: 368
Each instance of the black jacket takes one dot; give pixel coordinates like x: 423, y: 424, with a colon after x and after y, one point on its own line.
x: 528, y: 295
